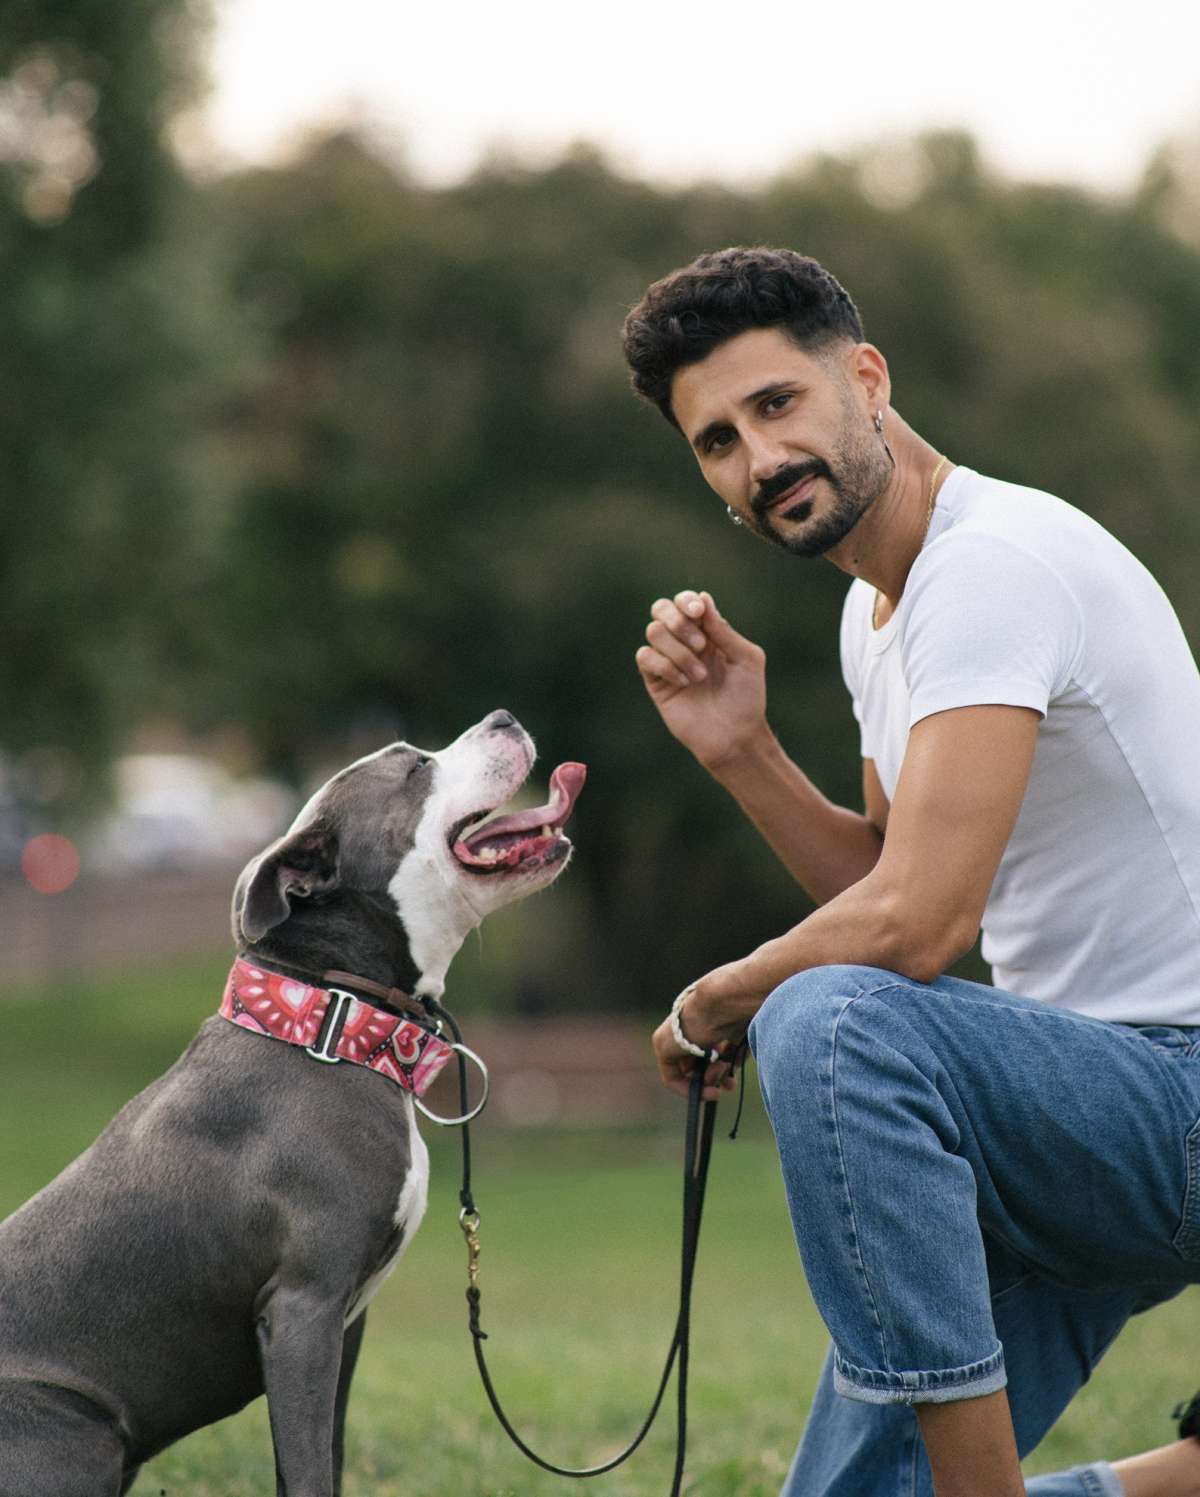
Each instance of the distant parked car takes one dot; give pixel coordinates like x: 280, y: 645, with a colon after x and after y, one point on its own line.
x: 185, y: 811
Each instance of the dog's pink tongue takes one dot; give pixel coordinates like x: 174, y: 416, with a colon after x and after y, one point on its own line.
x: 565, y: 784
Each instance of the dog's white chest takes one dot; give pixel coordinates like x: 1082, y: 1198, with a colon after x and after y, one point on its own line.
x: 410, y: 1208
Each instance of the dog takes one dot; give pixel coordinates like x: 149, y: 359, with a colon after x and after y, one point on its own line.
x: 223, y: 1236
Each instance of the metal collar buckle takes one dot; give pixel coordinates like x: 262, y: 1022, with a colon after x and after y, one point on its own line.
x: 335, y: 1018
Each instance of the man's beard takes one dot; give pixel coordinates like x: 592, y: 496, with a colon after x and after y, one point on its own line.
x: 858, y: 475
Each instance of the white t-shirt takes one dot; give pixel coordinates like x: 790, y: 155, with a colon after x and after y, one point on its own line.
x: 1017, y: 598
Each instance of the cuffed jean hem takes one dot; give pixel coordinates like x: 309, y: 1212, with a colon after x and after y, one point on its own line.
x: 1097, y: 1480
x: 1100, y: 1480
x: 870, y: 1385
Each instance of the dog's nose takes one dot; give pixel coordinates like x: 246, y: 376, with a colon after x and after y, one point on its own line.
x: 501, y: 718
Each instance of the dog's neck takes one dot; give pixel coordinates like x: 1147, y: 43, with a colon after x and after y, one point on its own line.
x: 349, y: 931
x: 437, y: 917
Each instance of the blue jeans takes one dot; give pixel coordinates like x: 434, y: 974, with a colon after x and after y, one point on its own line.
x: 983, y: 1189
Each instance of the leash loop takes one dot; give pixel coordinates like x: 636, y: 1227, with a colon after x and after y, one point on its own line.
x: 697, y: 1149
x: 469, y: 1113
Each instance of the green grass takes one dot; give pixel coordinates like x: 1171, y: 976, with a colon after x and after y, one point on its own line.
x: 579, y: 1267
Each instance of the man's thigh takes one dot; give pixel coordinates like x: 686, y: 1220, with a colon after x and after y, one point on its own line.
x: 1078, y: 1133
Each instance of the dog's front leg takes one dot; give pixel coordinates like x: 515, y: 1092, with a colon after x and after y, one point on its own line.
x: 300, y: 1335
x: 351, y: 1343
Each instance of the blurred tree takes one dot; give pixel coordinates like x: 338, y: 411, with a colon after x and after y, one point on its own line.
x: 452, y: 501
x: 1170, y: 187
x: 110, y: 334
x: 426, y: 490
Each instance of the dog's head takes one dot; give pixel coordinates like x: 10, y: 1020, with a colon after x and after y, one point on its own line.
x: 401, y: 837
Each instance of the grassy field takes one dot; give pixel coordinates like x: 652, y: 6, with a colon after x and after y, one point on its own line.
x: 580, y: 1252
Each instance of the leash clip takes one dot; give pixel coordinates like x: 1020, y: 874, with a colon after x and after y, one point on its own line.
x: 326, y: 1048
x: 467, y: 1117
x: 469, y: 1222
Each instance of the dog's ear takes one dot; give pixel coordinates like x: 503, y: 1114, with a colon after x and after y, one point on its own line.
x: 298, y: 866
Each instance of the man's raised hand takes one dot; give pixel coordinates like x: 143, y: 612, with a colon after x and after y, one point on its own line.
x: 707, y: 680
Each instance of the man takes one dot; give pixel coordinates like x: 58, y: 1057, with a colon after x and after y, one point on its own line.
x: 983, y: 1186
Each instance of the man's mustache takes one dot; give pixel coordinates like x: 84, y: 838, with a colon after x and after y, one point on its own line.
x: 771, y: 488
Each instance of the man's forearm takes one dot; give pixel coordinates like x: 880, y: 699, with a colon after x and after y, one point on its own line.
x: 872, y: 924
x: 920, y: 906
x: 826, y: 848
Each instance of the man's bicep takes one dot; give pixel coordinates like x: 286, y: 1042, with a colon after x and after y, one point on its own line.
x: 957, y: 800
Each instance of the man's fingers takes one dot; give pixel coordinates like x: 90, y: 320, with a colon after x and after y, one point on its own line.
x: 681, y: 655
x: 681, y: 1085
x: 716, y: 1072
x: 675, y: 1073
x: 676, y: 621
x: 657, y: 670
x: 673, y: 637
x: 724, y: 636
x: 691, y: 603
x: 694, y: 619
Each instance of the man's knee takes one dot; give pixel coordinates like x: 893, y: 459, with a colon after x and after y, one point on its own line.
x: 794, y: 1031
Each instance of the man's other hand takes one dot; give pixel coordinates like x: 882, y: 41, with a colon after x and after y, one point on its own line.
x: 707, y: 680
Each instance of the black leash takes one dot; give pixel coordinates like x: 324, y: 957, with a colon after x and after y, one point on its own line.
x: 697, y: 1149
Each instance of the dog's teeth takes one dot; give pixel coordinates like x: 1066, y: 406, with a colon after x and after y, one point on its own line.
x: 489, y: 854
x: 547, y: 831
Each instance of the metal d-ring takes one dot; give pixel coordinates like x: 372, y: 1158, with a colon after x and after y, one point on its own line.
x: 467, y: 1117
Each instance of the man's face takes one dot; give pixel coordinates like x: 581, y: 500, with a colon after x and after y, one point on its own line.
x: 785, y: 438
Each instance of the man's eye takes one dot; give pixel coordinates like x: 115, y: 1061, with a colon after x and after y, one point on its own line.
x: 776, y: 402
x: 719, y: 442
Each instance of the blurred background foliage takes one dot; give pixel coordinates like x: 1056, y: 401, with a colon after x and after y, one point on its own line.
x: 301, y: 458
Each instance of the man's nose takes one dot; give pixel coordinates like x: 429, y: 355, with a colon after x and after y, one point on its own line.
x: 766, y: 456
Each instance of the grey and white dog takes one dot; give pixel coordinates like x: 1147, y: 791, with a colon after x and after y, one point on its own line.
x: 223, y: 1236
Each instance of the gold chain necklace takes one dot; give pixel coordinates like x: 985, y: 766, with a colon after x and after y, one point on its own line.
x: 941, y: 463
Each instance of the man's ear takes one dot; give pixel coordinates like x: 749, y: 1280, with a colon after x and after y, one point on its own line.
x: 298, y: 866
x: 869, y: 369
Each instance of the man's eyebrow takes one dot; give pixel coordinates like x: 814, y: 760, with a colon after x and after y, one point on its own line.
x: 763, y: 393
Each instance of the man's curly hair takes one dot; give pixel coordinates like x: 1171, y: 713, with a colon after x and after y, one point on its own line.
x: 683, y: 317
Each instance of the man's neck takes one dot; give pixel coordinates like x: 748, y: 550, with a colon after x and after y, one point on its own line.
x: 888, y: 539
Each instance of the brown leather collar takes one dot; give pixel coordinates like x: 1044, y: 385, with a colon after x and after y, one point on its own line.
x: 395, y: 998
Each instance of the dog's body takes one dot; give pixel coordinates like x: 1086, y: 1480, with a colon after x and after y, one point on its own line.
x: 224, y: 1234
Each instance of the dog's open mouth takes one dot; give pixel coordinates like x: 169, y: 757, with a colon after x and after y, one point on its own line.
x: 520, y: 839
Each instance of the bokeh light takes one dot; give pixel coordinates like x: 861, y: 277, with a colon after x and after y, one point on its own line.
x: 50, y: 863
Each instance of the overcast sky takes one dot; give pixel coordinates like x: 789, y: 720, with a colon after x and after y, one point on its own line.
x: 1056, y: 89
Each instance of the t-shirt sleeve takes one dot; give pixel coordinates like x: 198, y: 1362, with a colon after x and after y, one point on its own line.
x: 986, y: 622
